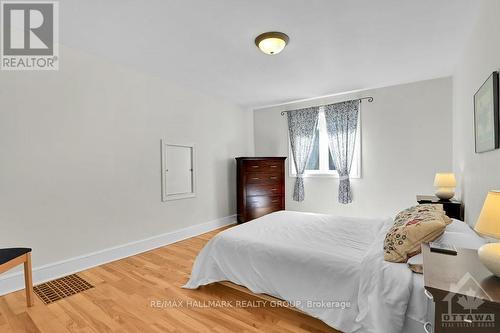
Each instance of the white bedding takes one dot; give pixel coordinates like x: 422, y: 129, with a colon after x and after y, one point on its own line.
x: 304, y: 258
x: 301, y: 257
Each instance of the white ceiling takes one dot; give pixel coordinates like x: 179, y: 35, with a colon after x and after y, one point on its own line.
x: 335, y: 45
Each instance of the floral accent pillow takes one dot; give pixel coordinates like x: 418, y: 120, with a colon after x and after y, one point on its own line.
x: 409, y: 212
x: 413, y: 227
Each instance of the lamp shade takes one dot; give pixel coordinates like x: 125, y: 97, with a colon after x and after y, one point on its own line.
x: 445, y: 180
x: 488, y: 223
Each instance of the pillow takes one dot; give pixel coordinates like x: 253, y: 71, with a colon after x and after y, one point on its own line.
x: 407, y: 213
x: 459, y: 226
x: 413, y: 227
x: 466, y: 241
x: 463, y: 240
x: 416, y: 263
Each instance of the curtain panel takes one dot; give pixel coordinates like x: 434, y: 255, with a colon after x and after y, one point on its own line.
x: 301, y: 130
x: 341, y: 125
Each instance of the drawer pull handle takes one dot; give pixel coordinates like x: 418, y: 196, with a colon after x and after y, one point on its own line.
x: 275, y: 201
x: 428, y: 324
x: 255, y: 178
x: 255, y: 166
x: 428, y: 294
x: 273, y: 177
x: 274, y: 189
x: 274, y: 166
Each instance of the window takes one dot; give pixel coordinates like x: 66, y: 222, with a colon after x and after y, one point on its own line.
x: 321, y: 162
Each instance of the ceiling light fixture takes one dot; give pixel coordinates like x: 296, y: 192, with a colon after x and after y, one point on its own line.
x: 271, y: 42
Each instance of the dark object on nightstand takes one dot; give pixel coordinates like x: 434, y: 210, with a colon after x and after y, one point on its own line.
x: 453, y: 208
x: 465, y: 295
x: 443, y: 248
x: 260, y: 186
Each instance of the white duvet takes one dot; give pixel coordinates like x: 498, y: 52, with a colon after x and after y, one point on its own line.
x: 329, y: 267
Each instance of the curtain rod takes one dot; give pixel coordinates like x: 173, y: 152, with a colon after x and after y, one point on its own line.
x: 369, y: 99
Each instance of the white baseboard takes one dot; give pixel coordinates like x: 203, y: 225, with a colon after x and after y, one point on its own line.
x: 15, y: 281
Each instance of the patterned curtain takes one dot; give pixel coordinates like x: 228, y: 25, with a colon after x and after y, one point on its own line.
x: 341, y: 125
x: 301, y: 129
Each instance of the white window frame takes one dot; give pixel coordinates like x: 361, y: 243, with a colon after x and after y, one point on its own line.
x: 323, y: 153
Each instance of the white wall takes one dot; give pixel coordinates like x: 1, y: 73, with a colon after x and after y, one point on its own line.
x: 406, y: 139
x: 477, y: 173
x: 80, y: 156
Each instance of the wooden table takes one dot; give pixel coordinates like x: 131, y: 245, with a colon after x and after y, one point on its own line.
x: 465, y: 294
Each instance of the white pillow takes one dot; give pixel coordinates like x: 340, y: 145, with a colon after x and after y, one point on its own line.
x: 416, y: 263
x: 458, y: 226
x: 467, y: 240
x: 416, y: 260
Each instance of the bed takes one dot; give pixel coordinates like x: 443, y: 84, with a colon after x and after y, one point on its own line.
x: 329, y: 267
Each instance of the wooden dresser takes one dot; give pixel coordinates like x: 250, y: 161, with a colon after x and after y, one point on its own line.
x: 260, y: 186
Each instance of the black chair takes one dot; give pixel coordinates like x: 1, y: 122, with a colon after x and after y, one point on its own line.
x: 12, y: 257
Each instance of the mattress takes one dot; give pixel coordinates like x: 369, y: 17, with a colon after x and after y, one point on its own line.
x: 318, y: 262
x: 329, y: 267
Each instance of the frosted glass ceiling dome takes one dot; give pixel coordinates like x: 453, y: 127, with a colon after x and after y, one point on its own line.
x: 272, y: 42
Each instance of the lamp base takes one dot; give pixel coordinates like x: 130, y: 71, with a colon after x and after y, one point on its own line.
x: 489, y: 255
x: 445, y: 193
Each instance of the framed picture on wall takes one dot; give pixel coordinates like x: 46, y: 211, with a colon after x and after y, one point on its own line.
x: 486, y: 121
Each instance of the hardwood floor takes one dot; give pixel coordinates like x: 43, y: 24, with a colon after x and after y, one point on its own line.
x: 143, y: 293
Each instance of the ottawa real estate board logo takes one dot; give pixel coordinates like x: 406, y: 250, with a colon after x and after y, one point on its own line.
x: 29, y: 35
x: 465, y: 307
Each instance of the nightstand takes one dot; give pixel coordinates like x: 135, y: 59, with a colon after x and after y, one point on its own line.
x: 465, y: 295
x: 453, y: 208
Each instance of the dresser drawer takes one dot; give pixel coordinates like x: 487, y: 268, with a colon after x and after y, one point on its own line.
x: 263, y: 201
x: 263, y: 166
x: 263, y: 178
x: 259, y: 212
x: 263, y: 189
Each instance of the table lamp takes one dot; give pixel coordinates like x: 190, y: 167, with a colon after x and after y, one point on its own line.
x: 488, y: 225
x: 445, y: 183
